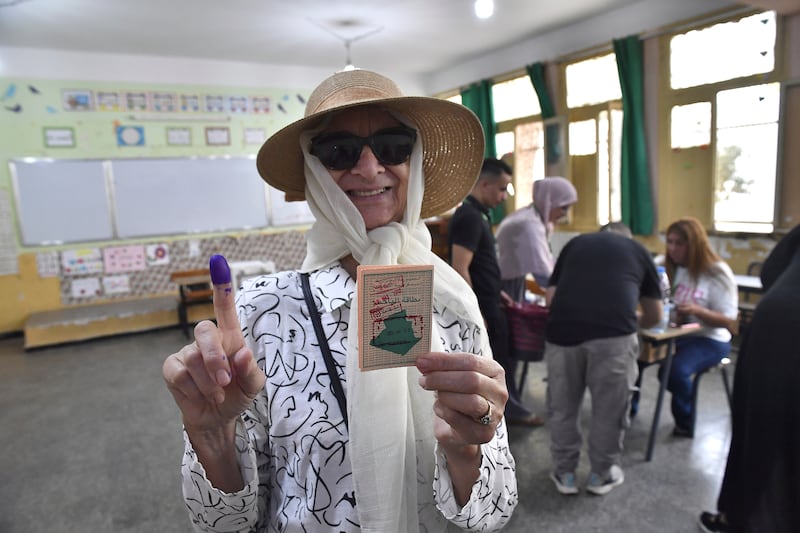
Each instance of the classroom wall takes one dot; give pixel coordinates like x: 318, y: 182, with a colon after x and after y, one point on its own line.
x: 38, y: 278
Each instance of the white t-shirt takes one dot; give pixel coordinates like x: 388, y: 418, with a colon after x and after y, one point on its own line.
x: 715, y: 290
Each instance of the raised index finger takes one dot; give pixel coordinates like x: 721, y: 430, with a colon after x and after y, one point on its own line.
x: 224, y: 305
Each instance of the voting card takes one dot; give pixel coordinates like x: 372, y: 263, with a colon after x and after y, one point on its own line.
x: 394, y: 314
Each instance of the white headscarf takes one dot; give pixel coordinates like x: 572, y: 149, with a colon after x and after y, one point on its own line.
x: 390, y: 415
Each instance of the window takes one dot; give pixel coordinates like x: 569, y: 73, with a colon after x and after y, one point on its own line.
x: 723, y: 122
x: 746, y: 139
x: 593, y: 81
x: 595, y: 138
x: 691, y: 125
x: 514, y: 99
x: 583, y: 137
x: 723, y: 51
x: 609, y: 190
x: 528, y: 160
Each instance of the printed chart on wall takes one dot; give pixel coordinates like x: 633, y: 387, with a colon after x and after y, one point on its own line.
x: 123, y: 259
x: 82, y: 261
x: 394, y: 314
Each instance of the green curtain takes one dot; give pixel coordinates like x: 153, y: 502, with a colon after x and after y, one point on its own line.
x: 551, y: 134
x: 536, y: 74
x: 637, y: 201
x: 478, y: 98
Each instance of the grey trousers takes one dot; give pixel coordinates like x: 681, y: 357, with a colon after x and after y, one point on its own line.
x: 607, y: 367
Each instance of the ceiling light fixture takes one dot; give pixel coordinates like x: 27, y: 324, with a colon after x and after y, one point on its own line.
x: 484, y: 8
x: 348, y: 40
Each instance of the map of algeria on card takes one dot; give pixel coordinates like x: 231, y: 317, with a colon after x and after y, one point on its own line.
x: 394, y: 314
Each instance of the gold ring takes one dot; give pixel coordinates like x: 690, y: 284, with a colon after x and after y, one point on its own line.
x: 487, y: 418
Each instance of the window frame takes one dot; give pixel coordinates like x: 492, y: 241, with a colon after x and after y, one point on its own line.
x: 669, y: 97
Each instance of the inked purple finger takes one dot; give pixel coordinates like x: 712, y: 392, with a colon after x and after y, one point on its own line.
x: 220, y: 271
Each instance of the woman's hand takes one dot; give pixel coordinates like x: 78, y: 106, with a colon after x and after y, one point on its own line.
x: 213, y: 380
x: 471, y: 396
x: 707, y: 316
x: 468, y: 387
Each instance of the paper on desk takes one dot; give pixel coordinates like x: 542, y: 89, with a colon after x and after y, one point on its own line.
x: 394, y: 314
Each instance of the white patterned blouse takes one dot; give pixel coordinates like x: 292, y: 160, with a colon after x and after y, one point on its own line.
x: 292, y: 442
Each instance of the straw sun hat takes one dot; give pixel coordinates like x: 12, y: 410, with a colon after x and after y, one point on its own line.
x: 452, y: 137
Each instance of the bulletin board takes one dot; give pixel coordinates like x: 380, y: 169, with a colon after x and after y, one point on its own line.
x: 175, y: 196
x: 61, y: 201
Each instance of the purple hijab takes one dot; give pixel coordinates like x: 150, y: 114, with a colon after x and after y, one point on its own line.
x: 552, y: 192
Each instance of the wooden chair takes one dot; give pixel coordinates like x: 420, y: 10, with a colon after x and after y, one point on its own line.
x: 194, y: 288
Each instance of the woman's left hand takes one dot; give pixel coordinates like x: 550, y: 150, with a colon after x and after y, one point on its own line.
x: 471, y: 396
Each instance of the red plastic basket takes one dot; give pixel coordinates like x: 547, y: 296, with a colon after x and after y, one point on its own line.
x: 526, y: 324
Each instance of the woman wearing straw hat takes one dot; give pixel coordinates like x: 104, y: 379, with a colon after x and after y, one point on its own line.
x: 282, y: 436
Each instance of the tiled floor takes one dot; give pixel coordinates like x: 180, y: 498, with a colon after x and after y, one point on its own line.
x: 91, y: 442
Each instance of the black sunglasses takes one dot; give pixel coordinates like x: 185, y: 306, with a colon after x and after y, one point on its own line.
x: 342, y: 150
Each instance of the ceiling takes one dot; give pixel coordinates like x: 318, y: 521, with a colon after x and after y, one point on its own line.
x: 416, y: 37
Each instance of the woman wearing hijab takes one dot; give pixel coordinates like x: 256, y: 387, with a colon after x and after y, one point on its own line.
x: 523, y: 238
x: 282, y: 436
x: 761, y: 487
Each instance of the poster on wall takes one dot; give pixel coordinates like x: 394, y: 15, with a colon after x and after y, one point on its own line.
x: 215, y: 103
x: 109, y: 101
x: 85, y: 288
x: 190, y: 102
x: 165, y: 102
x: 77, y: 100
x: 82, y: 261
x: 157, y: 254
x: 238, y: 104
x: 260, y: 104
x: 59, y: 137
x: 124, y: 258
x: 136, y: 102
x: 130, y: 135
x: 48, y: 264
x: 116, y: 284
x: 218, y: 136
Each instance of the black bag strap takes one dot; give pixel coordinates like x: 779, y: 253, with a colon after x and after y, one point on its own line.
x: 338, y: 391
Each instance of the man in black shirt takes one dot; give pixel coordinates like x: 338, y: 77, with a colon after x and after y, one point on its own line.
x: 473, y: 255
x: 592, y: 342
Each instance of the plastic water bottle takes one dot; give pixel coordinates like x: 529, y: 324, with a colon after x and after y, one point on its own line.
x: 665, y: 298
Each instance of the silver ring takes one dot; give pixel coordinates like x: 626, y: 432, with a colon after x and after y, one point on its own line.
x: 487, y: 418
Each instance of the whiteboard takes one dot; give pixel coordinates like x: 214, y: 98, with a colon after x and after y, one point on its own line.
x: 61, y: 201
x: 174, y: 196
